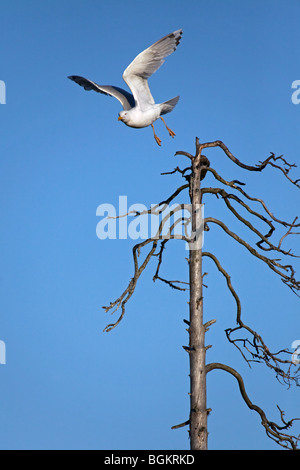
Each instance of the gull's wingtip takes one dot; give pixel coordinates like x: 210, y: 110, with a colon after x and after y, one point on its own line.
x: 177, y: 36
x: 178, y: 32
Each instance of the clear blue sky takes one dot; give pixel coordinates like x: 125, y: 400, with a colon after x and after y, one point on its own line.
x: 66, y: 384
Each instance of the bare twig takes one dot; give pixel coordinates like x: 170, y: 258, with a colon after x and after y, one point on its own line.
x: 181, y: 425
x: 123, y: 299
x: 157, y: 276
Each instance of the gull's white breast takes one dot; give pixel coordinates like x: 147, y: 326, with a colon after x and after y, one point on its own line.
x: 138, y: 118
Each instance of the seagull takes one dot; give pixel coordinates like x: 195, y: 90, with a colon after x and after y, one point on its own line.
x: 139, y: 107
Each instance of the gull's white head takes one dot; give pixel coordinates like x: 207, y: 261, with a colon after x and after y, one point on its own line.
x: 123, y: 116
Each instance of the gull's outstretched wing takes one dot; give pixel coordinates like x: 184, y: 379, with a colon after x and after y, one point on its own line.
x: 145, y: 64
x: 126, y: 99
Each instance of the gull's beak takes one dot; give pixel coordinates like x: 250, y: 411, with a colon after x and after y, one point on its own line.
x: 119, y: 118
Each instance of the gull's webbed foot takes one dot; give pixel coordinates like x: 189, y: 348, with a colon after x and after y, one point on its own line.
x: 156, y: 137
x: 171, y: 133
x: 157, y: 140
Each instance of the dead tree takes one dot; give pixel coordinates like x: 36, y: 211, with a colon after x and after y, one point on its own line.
x: 248, y: 342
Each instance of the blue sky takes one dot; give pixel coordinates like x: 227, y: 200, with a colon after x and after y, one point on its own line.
x: 66, y: 384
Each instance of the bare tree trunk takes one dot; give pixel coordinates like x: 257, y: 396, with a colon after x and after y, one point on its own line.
x: 197, y: 351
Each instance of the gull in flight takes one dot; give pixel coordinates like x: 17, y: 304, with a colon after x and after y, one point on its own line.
x: 139, y: 108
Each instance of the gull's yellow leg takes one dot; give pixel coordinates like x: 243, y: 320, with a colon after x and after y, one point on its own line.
x: 155, y: 136
x: 172, y: 134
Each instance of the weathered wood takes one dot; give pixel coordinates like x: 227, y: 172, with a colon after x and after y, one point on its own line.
x: 197, y: 353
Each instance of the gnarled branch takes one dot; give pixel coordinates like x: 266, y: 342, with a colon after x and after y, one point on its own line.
x: 286, y: 272
x: 256, y: 347
x: 273, y: 430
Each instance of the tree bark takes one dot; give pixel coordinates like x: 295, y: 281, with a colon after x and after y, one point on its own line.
x: 197, y: 351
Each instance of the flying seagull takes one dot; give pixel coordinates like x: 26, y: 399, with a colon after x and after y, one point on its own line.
x: 139, y: 108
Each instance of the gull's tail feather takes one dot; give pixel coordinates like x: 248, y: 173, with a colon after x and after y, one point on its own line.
x: 167, y: 106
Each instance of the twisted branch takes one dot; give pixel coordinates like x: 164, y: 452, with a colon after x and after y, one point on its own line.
x: 256, y: 347
x: 263, y: 238
x: 235, y: 185
x: 121, y: 301
x: 273, y: 430
x: 281, y: 270
x: 258, y: 167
